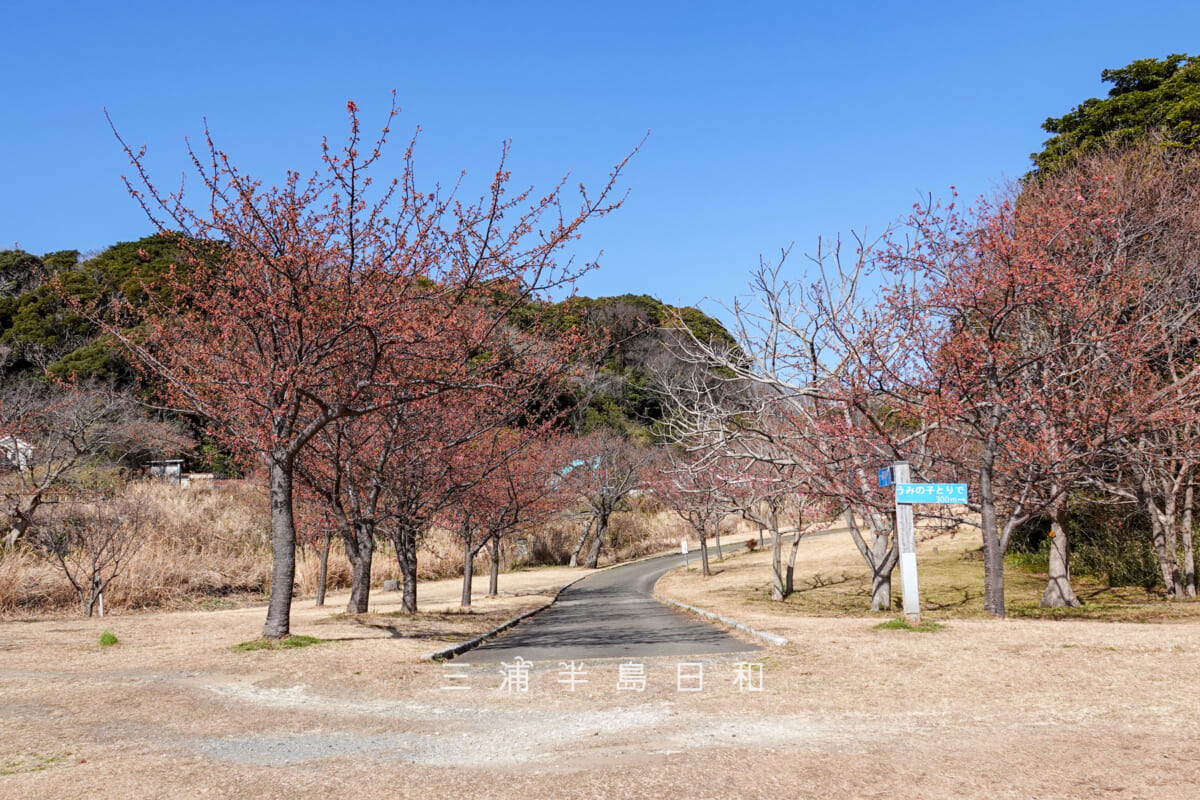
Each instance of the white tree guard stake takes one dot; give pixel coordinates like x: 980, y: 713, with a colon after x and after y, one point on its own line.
x: 906, y: 541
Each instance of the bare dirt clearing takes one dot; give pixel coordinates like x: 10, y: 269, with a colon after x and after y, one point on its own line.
x: 982, y: 708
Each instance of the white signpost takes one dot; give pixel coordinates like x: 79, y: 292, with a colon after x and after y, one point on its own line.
x: 907, y: 494
x: 906, y: 541
x: 683, y: 548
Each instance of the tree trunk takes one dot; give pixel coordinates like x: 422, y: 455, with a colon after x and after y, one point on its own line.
x: 494, y: 576
x: 704, y: 570
x: 880, y: 556
x: 468, y: 571
x: 22, y: 518
x: 1171, y: 528
x: 1058, y: 592
x: 405, y: 541
x: 993, y: 555
x: 323, y: 567
x: 579, y: 544
x: 360, y: 550
x: 790, y: 577
x: 1189, y: 554
x: 717, y: 536
x: 883, y: 565
x: 1162, y: 538
x: 593, y: 558
x: 283, y: 550
x: 779, y: 591
x: 96, y: 596
x: 881, y: 586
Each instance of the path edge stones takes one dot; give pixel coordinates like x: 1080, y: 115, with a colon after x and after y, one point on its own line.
x: 769, y: 638
x: 447, y: 653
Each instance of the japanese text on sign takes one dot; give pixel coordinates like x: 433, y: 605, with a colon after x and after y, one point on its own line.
x: 931, y: 493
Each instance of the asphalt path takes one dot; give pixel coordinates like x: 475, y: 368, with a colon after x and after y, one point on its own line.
x: 611, y: 614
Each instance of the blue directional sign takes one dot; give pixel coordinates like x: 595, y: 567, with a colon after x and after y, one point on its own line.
x: 885, y: 476
x: 931, y: 493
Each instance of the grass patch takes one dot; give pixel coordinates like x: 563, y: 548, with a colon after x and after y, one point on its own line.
x: 210, y: 603
x: 15, y: 765
x: 926, y: 626
x: 277, y: 644
x: 108, y: 639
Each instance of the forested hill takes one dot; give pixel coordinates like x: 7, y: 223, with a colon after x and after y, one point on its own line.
x: 635, y: 334
x: 39, y: 333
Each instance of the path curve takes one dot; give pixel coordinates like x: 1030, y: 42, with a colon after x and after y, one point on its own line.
x: 611, y: 614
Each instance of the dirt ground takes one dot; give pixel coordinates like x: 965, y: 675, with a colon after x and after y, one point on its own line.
x: 980, y: 708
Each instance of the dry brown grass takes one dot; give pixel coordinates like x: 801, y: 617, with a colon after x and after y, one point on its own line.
x: 211, y: 549
x: 832, y: 581
x: 980, y: 709
x: 208, y: 543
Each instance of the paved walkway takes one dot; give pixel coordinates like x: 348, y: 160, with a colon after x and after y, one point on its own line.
x: 611, y: 614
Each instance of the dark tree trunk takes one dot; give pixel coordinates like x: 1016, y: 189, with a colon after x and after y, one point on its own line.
x: 494, y: 574
x: 283, y: 550
x: 404, y: 539
x: 1189, y: 553
x: 704, y: 570
x: 717, y: 536
x: 468, y: 572
x: 993, y: 554
x: 360, y: 550
x: 593, y: 558
x: 1058, y: 592
x: 323, y: 568
x: 779, y: 589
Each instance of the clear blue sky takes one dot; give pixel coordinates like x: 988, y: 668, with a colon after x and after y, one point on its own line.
x: 770, y: 123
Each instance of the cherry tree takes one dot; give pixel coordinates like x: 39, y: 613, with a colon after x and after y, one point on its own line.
x: 50, y: 433
x: 609, y: 468
x: 510, y: 482
x: 1056, y: 348
x: 91, y: 540
x: 326, y: 298
x: 799, y: 395
x: 696, y: 490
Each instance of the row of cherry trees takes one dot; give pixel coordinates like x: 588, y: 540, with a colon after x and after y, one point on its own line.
x: 1040, y: 347
x: 355, y: 340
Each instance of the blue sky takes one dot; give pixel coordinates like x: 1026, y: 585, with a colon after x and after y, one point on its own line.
x: 770, y: 123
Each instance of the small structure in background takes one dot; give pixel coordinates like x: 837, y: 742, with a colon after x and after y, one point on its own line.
x: 169, y: 469
x: 17, y: 452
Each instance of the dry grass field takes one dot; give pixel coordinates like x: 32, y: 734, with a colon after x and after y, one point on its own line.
x: 209, y: 548
x: 1021, y: 708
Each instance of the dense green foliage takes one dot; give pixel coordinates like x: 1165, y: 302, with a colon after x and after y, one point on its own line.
x: 1147, y: 95
x: 1108, y: 544
x: 40, y: 334
x: 634, y: 336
